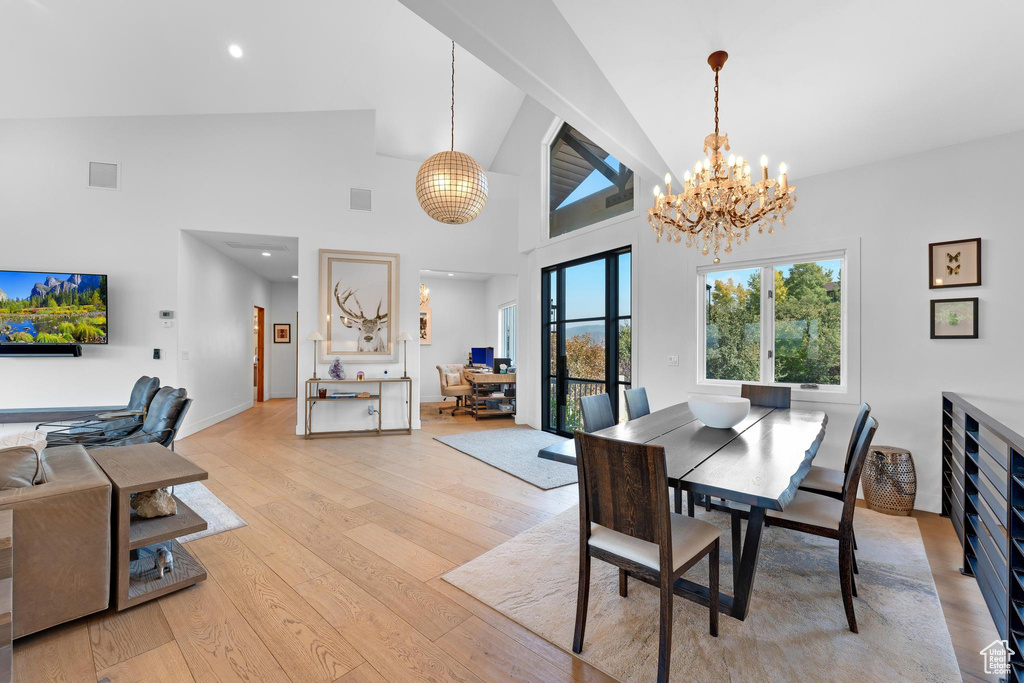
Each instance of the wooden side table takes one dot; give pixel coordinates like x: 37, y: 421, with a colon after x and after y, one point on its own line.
x: 6, y: 595
x: 133, y: 469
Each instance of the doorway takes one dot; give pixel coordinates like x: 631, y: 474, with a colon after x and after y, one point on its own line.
x: 587, y: 336
x: 258, y: 317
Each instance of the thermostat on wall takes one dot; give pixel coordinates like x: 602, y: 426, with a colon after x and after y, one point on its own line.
x: 166, y: 315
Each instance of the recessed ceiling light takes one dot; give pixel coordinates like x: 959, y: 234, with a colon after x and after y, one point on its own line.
x: 295, y: 277
x: 451, y: 274
x: 235, y: 51
x: 266, y: 253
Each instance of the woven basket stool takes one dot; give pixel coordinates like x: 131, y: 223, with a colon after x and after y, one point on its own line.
x: 890, y: 480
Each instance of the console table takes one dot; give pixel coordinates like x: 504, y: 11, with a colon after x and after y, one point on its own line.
x: 983, y: 496
x: 481, y: 393
x: 133, y: 469
x: 366, y: 386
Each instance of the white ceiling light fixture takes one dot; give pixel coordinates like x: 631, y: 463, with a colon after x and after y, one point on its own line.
x: 295, y: 277
x: 235, y: 51
x: 451, y: 274
x: 451, y: 186
x: 266, y: 253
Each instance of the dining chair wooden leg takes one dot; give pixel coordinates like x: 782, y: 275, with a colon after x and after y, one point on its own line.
x: 582, y: 597
x: 713, y: 586
x: 678, y: 491
x: 665, y: 639
x: 854, y: 535
x: 853, y: 556
x: 623, y: 575
x: 690, y: 496
x: 853, y: 585
x: 736, y: 550
x: 846, y: 579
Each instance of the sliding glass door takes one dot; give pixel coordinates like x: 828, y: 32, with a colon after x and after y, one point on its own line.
x: 587, y: 336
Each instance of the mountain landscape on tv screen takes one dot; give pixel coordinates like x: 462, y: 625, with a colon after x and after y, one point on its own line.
x: 52, y: 308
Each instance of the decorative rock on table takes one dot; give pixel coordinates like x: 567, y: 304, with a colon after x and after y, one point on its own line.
x: 337, y: 370
x: 158, y: 503
x: 890, y: 480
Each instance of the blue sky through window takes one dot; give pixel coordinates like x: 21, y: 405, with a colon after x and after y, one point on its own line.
x: 595, y: 182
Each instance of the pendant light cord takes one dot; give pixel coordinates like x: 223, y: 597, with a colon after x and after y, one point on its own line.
x: 453, y: 95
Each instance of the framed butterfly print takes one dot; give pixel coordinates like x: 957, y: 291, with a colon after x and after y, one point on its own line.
x: 954, y: 264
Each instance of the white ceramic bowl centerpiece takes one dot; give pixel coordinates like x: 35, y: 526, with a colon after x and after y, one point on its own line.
x: 720, y: 412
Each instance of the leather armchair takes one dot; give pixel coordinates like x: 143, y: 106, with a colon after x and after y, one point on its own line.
x: 61, y: 539
x: 460, y: 390
x: 93, y: 428
x: 166, y: 413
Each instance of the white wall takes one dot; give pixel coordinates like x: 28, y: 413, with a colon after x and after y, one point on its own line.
x: 216, y: 298
x: 284, y: 305
x: 459, y: 323
x: 50, y: 220
x: 262, y: 174
x: 903, y: 371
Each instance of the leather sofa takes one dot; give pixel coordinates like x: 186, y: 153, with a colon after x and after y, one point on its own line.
x: 61, y: 535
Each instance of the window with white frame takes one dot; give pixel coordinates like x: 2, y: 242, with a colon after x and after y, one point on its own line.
x: 507, y: 332
x: 776, y: 321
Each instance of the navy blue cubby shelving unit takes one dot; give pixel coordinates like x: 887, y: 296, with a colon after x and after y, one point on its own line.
x: 983, y: 495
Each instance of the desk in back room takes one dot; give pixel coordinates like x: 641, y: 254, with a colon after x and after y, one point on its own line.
x: 484, y: 384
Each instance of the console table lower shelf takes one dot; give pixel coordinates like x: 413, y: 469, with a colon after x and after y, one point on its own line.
x: 133, y: 469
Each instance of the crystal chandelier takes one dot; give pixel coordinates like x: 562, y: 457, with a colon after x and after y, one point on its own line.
x: 719, y: 203
x: 451, y: 186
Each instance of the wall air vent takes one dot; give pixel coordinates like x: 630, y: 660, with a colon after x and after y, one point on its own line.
x: 258, y: 246
x: 359, y: 199
x: 104, y: 176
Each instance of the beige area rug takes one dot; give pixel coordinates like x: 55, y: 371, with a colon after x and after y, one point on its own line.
x: 429, y: 415
x: 796, y: 629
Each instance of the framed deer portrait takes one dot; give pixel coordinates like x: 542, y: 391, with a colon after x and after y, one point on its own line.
x: 359, y: 305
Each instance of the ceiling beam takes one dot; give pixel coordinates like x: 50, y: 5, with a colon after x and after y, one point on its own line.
x: 531, y: 44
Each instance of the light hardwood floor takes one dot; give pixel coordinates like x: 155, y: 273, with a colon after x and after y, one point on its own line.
x: 337, y: 575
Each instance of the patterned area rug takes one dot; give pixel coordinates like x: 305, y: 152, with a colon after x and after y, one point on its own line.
x: 796, y: 629
x: 219, y: 517
x: 514, y: 451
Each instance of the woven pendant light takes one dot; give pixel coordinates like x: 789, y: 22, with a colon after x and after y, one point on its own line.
x: 452, y: 186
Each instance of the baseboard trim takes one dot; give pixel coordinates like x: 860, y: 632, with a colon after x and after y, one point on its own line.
x: 190, y: 428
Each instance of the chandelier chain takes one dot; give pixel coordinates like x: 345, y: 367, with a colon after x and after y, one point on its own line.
x: 453, y: 95
x: 716, y: 101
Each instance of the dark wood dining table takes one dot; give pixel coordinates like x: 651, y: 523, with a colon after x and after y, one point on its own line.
x: 758, y: 463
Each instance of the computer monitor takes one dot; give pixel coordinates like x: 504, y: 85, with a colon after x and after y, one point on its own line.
x: 483, y: 355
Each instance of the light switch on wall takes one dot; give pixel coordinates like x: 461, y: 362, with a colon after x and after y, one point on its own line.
x: 673, y: 360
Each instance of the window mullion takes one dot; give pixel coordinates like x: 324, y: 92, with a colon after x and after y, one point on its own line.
x: 767, y: 324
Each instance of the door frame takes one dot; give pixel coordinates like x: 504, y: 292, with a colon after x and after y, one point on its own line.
x: 611, y: 322
x: 260, y: 366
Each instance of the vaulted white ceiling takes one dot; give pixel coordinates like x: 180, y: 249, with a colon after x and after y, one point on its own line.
x: 66, y: 58
x: 821, y: 85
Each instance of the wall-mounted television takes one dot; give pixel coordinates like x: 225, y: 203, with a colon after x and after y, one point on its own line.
x: 52, y: 308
